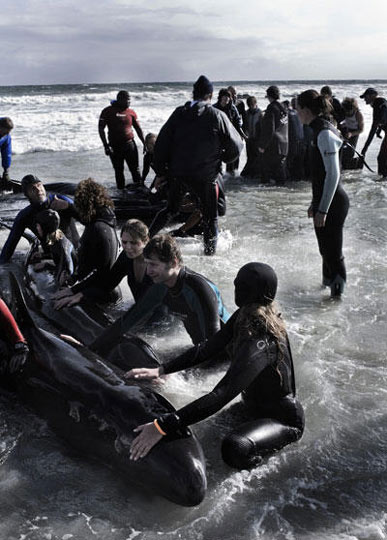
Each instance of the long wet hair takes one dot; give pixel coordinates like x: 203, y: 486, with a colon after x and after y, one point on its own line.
x: 317, y: 104
x: 89, y: 197
x: 254, y: 320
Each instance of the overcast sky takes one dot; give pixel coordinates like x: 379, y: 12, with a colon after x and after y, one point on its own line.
x: 68, y: 41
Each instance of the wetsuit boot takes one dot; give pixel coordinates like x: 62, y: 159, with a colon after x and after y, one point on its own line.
x: 337, y: 287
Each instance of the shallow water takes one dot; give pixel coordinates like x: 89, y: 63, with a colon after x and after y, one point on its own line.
x: 330, y: 485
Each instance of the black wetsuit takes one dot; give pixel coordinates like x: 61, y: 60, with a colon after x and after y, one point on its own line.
x: 274, y: 140
x: 379, y: 121
x: 329, y: 237
x: 109, y: 278
x: 260, y: 370
x: 25, y: 219
x: 297, y: 147
x: 98, y: 250
x: 194, y: 299
x: 190, y: 148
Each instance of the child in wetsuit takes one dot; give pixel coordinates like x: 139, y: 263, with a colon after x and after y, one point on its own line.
x: 60, y: 249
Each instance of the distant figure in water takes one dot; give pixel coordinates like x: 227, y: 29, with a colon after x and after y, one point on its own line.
x: 350, y: 127
x: 379, y: 124
x: 330, y: 203
x: 6, y: 126
x: 261, y: 369
x: 120, y: 146
x: 150, y: 141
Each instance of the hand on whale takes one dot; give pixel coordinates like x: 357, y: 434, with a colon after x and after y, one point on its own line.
x: 148, y: 437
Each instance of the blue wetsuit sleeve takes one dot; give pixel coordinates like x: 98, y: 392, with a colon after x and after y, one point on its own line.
x: 6, y: 152
x: 329, y: 145
x: 18, y: 227
x: 248, y: 362
x: 135, y: 317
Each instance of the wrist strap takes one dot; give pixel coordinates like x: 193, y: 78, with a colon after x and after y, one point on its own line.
x: 156, y: 424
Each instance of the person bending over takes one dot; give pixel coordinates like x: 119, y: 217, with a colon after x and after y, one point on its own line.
x: 99, y: 243
x: 379, y: 124
x: 130, y: 263
x: 185, y: 293
x: 261, y: 370
x: 35, y: 192
x: 330, y: 204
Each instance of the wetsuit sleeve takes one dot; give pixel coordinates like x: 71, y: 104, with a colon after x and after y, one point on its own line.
x: 6, y: 152
x: 231, y: 142
x: 18, y: 228
x: 247, y: 364
x: 9, y: 326
x: 105, y: 279
x: 329, y: 145
x: 137, y: 315
x: 203, y: 351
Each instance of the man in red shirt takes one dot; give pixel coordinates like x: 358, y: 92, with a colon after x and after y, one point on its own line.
x: 120, y: 147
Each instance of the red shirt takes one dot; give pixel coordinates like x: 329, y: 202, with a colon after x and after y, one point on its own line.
x: 8, y: 325
x: 119, y: 123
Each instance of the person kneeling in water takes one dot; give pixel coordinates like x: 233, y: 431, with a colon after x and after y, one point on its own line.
x: 130, y: 263
x: 261, y: 370
x: 187, y: 294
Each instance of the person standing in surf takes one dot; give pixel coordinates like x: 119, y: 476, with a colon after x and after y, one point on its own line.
x: 330, y: 204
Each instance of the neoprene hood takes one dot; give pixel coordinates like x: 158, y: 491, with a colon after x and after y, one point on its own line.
x: 255, y: 283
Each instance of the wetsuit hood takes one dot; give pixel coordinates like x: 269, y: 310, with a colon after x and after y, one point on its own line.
x: 255, y: 283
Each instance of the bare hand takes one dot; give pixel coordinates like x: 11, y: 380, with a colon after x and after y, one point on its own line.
x: 143, y: 373
x: 261, y: 150
x: 68, y: 301
x: 62, y: 293
x: 108, y: 151
x: 145, y: 441
x: 38, y: 267
x: 58, y: 204
x: 319, y: 219
x: 310, y: 211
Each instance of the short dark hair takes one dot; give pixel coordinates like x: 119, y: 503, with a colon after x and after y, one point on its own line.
x: 165, y: 248
x: 273, y: 92
x: 136, y: 228
x: 251, y: 100
x: 6, y: 123
x: 326, y: 91
x: 123, y: 94
x: 224, y: 92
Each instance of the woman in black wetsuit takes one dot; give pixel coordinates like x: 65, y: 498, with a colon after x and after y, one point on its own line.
x: 130, y: 263
x: 330, y: 203
x: 261, y: 369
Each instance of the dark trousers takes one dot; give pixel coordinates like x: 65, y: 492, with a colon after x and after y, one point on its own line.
x: 273, y: 167
x: 348, y: 154
x: 128, y: 154
x: 207, y: 193
x: 330, y: 238
x: 382, y: 157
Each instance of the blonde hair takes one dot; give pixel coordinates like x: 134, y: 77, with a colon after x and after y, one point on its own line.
x: 53, y: 237
x: 255, y: 319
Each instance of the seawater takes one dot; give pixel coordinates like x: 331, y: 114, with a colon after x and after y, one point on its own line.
x: 330, y: 485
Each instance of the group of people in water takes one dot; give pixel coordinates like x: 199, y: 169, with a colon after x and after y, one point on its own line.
x: 187, y: 156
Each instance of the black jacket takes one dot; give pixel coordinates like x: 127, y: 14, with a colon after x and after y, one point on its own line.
x: 274, y: 130
x: 194, y: 141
